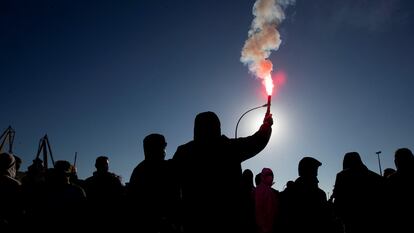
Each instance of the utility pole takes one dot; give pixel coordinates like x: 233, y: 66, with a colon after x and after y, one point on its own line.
x: 379, y: 161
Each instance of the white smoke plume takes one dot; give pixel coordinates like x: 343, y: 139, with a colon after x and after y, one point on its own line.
x: 263, y: 36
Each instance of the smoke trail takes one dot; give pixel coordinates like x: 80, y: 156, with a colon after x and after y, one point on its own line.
x: 263, y: 36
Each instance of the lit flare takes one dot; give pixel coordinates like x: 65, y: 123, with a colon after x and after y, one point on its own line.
x: 268, y: 83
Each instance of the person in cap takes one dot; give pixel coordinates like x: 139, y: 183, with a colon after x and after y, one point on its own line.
x: 304, y: 208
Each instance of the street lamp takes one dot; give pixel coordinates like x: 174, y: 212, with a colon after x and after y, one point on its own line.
x: 379, y: 161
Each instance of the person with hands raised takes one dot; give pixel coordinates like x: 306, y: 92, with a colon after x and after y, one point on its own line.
x: 209, y: 174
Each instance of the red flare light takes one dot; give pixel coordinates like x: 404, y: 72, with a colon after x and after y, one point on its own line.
x: 268, y: 83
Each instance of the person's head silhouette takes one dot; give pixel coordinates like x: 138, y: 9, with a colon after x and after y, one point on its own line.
x: 206, y: 127
x: 102, y: 164
x: 154, y: 147
x: 267, y: 177
x: 403, y: 159
x: 352, y: 160
x: 7, y: 164
x: 60, y: 173
x: 308, y: 167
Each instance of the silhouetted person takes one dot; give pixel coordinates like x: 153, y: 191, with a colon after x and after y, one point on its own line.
x: 358, y: 196
x: 151, y: 190
x: 209, y: 170
x: 266, y: 203
x: 35, y: 174
x: 34, y: 188
x: 289, y: 184
x: 401, y: 192
x: 11, y: 209
x: 388, y: 171
x: 62, y: 203
x: 103, y: 185
x: 247, y: 180
x: 247, y: 204
x: 304, y: 206
x: 104, y: 192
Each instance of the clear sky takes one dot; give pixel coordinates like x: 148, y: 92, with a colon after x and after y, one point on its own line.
x: 98, y: 76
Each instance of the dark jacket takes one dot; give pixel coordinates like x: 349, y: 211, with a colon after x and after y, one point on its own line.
x: 209, y: 174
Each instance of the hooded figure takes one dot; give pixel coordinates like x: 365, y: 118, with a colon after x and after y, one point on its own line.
x: 207, y: 127
x: 10, y: 193
x: 358, y: 195
x: 352, y: 160
x: 7, y: 165
x: 209, y: 173
x: 266, y: 203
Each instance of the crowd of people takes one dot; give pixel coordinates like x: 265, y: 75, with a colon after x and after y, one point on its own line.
x: 203, y: 188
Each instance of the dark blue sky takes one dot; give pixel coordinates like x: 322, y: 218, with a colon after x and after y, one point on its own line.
x: 98, y: 76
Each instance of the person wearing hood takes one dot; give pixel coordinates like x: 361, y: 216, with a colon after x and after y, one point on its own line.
x: 266, y: 201
x: 10, y: 193
x: 209, y: 174
x: 358, y: 196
